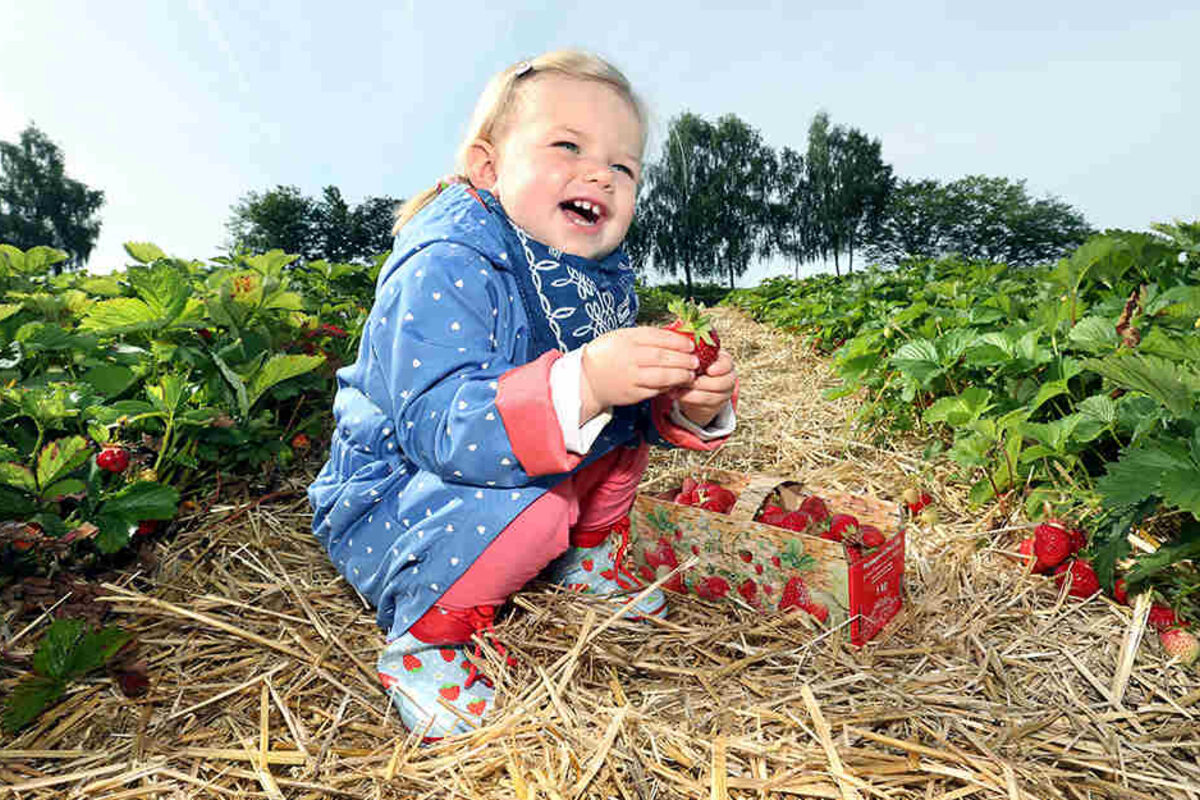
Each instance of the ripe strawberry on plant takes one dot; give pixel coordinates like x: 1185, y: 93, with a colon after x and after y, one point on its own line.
x: 1180, y: 644
x: 1051, y: 543
x: 1161, y: 617
x: 113, y: 459
x: 697, y: 327
x: 1078, y: 540
x: 1084, y: 582
x: 1121, y: 592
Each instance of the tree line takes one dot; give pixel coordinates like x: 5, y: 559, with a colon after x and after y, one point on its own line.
x: 716, y: 199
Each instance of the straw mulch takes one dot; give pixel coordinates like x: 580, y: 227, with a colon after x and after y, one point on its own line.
x: 988, y: 685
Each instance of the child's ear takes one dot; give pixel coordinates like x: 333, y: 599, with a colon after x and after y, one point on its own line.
x: 481, y: 164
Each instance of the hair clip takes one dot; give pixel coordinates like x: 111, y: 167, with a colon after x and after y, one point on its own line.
x: 523, y: 68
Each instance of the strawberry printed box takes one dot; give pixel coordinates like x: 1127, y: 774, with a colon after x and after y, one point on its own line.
x: 777, y: 545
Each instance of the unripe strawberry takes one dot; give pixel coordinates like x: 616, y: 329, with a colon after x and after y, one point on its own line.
x: 1051, y: 543
x: 1180, y: 644
x: 113, y: 459
x: 1084, y: 582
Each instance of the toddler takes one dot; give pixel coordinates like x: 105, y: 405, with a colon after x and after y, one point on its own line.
x: 497, y: 417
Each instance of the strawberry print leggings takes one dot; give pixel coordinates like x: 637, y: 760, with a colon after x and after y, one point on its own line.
x: 591, y: 499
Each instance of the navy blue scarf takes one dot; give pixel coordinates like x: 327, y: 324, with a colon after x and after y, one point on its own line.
x: 569, y: 299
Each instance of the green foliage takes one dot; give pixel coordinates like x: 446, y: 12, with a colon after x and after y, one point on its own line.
x: 328, y: 228
x: 1068, y: 387
x: 68, y: 651
x: 40, y: 205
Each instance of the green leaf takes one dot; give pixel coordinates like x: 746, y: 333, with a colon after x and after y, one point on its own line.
x: 63, y: 487
x: 236, y: 382
x: 169, y: 394
x: 94, y: 649
x: 1136, y: 476
x: 115, y: 532
x: 1166, y: 556
x: 102, y: 285
x: 1151, y: 375
x: 1181, y: 487
x: 15, y: 504
x: 143, y: 500
x: 278, y: 369
x: 961, y: 409
x: 8, y: 309
x: 918, y: 359
x: 163, y: 287
x: 1048, y: 391
x: 121, y: 315
x: 110, y: 380
x: 144, y: 252
x: 17, y: 475
x: 28, y: 699
x: 1095, y: 335
x: 54, y: 653
x: 1098, y: 407
x: 60, y: 457
x: 1173, y: 347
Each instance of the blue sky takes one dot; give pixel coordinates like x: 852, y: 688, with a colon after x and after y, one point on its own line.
x: 177, y: 109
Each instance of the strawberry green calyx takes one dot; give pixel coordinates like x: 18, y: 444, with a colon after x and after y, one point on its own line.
x: 691, y: 320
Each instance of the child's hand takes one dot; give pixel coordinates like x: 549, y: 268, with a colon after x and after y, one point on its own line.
x: 629, y: 365
x: 708, y: 394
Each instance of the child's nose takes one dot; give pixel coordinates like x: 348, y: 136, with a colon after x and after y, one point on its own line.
x: 598, y: 172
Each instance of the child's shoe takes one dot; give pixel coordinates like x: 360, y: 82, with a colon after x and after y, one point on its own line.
x: 594, y: 564
x: 436, y: 689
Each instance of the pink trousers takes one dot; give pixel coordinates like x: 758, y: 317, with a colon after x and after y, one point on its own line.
x: 592, y: 499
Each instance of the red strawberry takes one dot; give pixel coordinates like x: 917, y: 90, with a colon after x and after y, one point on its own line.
x: 587, y: 564
x: 646, y: 572
x: 675, y: 582
x: 695, y: 549
x: 842, y: 526
x: 1051, y: 544
x: 746, y: 555
x: 448, y: 654
x: 872, y: 536
x: 776, y: 562
x: 1084, y: 582
x: 691, y: 323
x: 477, y: 707
x: 113, y: 459
x: 815, y: 507
x: 449, y: 691
x: 146, y: 527
x: 796, y: 521
x: 712, y: 587
x: 758, y: 569
x: 1180, y: 644
x: 817, y: 610
x: 412, y: 663
x: 1121, y: 592
x: 771, y: 515
x: 1029, y: 558
x: 1078, y: 540
x: 1161, y: 617
x: 301, y: 441
x: 714, y: 497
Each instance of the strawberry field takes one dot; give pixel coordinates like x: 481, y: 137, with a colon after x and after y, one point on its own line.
x: 1069, y: 392
x: 172, y: 629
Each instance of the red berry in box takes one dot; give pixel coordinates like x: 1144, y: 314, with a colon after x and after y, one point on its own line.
x: 113, y: 459
x: 1051, y: 543
x: 771, y: 515
x: 691, y: 323
x: 1084, y: 582
x: 714, y: 497
x: 872, y: 536
x: 795, y: 521
x: 815, y: 507
x: 843, y: 525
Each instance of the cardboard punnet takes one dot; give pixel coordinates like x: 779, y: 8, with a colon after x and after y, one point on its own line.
x: 761, y: 563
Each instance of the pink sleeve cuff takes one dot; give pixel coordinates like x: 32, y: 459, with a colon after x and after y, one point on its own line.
x: 660, y: 409
x: 527, y: 411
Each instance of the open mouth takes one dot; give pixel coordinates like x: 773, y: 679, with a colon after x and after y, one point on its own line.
x: 583, y: 212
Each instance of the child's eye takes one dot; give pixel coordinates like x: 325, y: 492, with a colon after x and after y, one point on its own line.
x: 574, y: 148
x: 622, y: 168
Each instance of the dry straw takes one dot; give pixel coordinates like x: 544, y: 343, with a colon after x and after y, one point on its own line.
x: 989, y: 685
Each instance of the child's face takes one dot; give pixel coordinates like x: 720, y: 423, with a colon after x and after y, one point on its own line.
x: 567, y: 164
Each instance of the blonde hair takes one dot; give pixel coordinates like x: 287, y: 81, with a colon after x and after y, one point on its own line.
x: 501, y: 97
